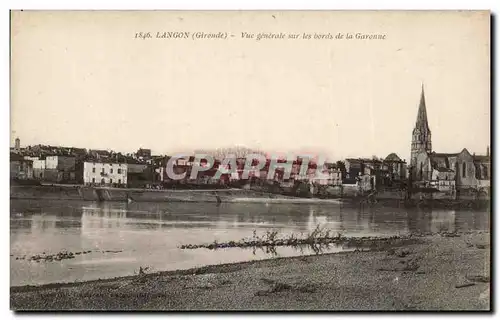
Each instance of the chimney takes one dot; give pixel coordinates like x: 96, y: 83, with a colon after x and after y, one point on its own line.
x: 488, y: 151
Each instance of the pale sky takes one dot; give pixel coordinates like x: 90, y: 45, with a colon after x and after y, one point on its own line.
x: 81, y: 79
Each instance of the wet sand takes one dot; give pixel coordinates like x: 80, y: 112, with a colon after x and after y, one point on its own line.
x: 440, y: 273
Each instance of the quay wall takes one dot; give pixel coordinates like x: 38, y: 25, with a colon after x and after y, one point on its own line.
x: 141, y: 195
x: 45, y: 192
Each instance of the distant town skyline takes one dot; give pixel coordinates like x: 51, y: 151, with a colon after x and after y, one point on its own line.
x: 77, y: 80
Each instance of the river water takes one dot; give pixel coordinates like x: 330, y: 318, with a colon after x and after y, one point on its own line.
x: 123, y: 237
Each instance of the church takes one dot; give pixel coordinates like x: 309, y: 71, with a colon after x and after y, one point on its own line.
x: 445, y: 171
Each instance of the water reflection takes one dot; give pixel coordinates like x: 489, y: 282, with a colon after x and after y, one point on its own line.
x: 149, y: 234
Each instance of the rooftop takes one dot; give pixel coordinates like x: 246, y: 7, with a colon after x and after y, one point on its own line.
x: 393, y: 157
x: 435, y: 154
x: 110, y: 161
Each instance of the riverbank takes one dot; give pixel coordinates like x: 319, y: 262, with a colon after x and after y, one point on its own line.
x: 82, y: 193
x: 437, y: 273
x: 61, y: 192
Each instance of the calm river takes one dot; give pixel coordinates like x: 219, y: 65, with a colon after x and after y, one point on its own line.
x: 149, y: 234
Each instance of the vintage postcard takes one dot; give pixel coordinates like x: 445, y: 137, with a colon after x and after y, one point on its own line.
x: 250, y: 160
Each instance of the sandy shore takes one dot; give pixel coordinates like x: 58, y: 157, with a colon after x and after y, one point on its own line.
x: 438, y: 273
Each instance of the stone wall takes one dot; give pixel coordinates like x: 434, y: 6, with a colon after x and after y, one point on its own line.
x: 123, y: 194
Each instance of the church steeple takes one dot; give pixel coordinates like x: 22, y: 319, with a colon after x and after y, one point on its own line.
x: 421, y: 137
x: 422, y: 113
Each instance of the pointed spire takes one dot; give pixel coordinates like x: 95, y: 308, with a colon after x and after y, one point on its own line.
x: 422, y: 112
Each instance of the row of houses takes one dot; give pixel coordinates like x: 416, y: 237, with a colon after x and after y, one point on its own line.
x: 104, y: 167
x: 445, y: 172
x: 108, y: 172
x: 64, y: 169
x: 285, y: 173
x: 67, y: 170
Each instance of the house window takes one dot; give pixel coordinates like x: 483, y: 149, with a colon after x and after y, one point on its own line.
x: 119, y: 171
x: 464, y: 169
x: 119, y: 181
x: 93, y: 180
x: 102, y: 171
x: 103, y: 181
x: 110, y: 181
x: 93, y: 170
x: 111, y: 170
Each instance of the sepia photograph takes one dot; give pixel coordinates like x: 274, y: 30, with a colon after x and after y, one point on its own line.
x: 250, y: 160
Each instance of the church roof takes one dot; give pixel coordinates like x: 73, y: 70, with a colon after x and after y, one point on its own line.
x: 422, y: 113
x: 481, y: 158
x: 442, y: 155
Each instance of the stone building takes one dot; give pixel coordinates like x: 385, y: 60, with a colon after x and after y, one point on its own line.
x: 334, y: 175
x: 54, y: 168
x: 20, y: 168
x: 141, y: 175
x: 443, y: 179
x: 388, y: 172
x: 143, y: 153
x: 482, y: 165
x: 105, y: 174
x: 366, y: 182
x: 60, y: 169
x: 38, y: 167
x: 354, y: 167
x: 395, y: 167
